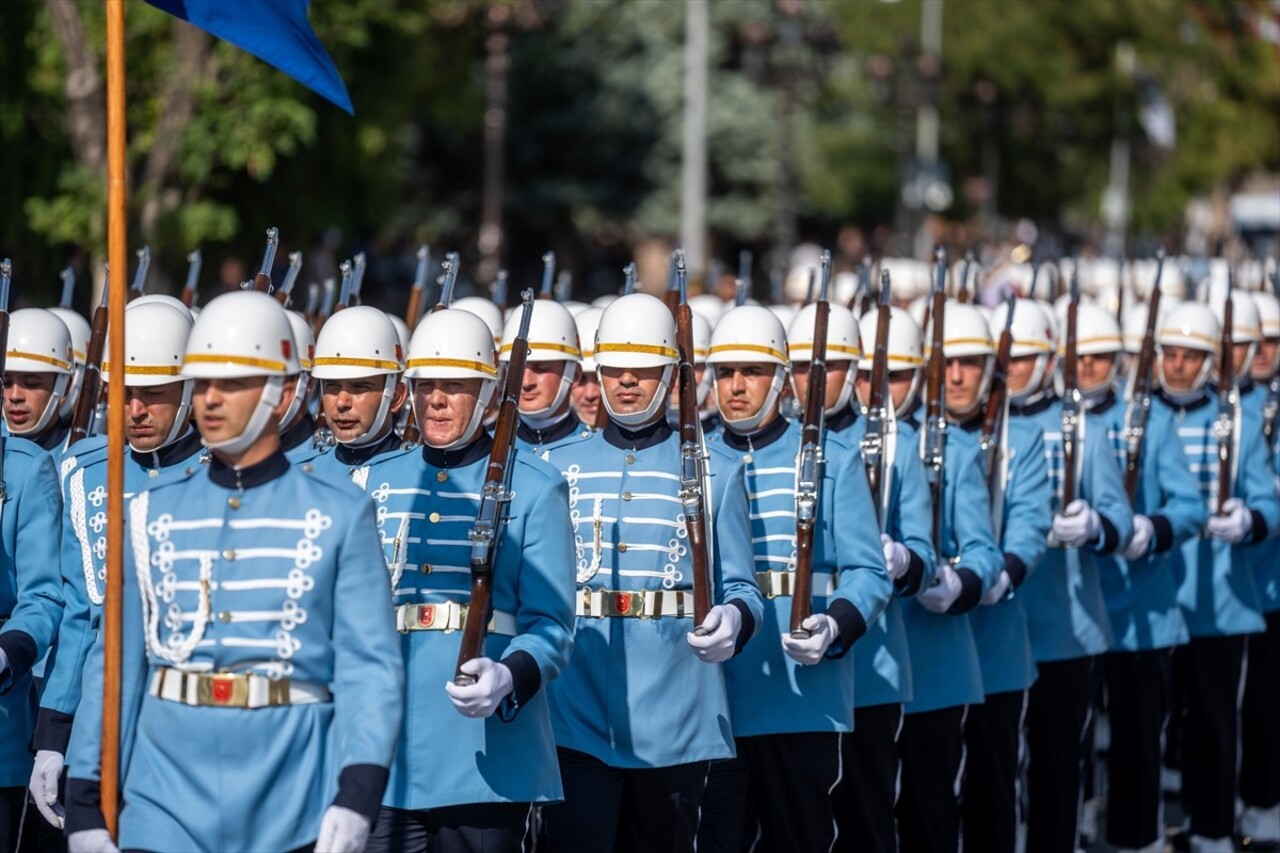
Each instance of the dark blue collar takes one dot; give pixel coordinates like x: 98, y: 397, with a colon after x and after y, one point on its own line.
x: 973, y: 424
x: 460, y: 457
x: 265, y: 471
x: 1104, y: 404
x: 1196, y: 404
x: 348, y: 455
x: 843, y: 419
x: 759, y: 439
x: 639, y: 439
x: 562, y: 428
x: 294, y: 436
x: 170, y: 454
x: 54, y: 436
x: 1035, y: 408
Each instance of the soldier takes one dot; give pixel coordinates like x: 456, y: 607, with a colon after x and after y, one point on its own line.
x: 80, y: 332
x: 1215, y: 574
x: 547, y: 417
x: 1139, y: 590
x: 946, y: 674
x: 358, y: 362
x: 297, y: 427
x: 257, y: 644
x: 161, y: 440
x: 641, y: 709
x: 472, y: 760
x: 790, y: 701
x: 585, y: 394
x: 38, y: 370
x: 1020, y: 517
x: 1067, y: 617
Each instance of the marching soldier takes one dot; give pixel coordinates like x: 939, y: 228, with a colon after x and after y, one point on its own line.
x: 547, y: 417
x: 80, y: 332
x: 585, y: 394
x: 257, y: 643
x: 1215, y: 571
x: 642, y: 710
x: 473, y: 760
x: 1067, y: 617
x: 161, y: 440
x: 297, y: 426
x: 38, y: 369
x: 790, y: 701
x: 1020, y: 520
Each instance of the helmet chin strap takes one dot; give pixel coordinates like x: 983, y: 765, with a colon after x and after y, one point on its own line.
x: 181, y: 420
x: 473, y: 426
x: 375, y: 432
x: 271, y: 393
x: 909, y: 401
x: 646, y: 415
x: 547, y: 414
x: 749, y: 424
x: 1192, y: 394
x: 299, y: 400
x: 1034, y: 390
x: 73, y: 391
x: 50, y: 409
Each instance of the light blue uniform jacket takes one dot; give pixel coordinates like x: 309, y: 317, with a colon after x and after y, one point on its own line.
x: 635, y: 695
x: 30, y: 595
x: 769, y: 693
x: 1266, y: 556
x: 1067, y: 616
x: 284, y: 578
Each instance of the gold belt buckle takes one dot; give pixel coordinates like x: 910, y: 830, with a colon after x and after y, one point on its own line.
x: 626, y: 603
x: 223, y: 689
x: 426, y: 615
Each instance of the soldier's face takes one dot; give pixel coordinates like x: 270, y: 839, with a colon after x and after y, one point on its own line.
x: 1264, y: 362
x: 1094, y: 370
x: 351, y: 405
x: 150, y: 412
x: 1239, y: 352
x: 743, y: 387
x: 1180, y: 366
x: 223, y: 408
x: 541, y: 384
x: 899, y: 386
x: 585, y: 397
x: 444, y: 408
x: 964, y: 383
x: 631, y: 389
x: 1021, y: 369
x: 26, y: 396
x: 836, y: 373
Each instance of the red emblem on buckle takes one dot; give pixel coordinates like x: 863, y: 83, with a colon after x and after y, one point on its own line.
x: 222, y: 690
x: 622, y: 603
x: 426, y: 615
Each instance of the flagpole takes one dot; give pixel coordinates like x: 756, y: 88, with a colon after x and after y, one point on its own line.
x: 117, y: 243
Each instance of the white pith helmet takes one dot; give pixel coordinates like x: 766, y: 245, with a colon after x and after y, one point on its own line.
x: 1033, y: 335
x: 455, y: 344
x: 155, y: 342
x: 905, y: 349
x: 553, y: 336
x: 357, y: 342
x: 81, y: 332
x: 753, y: 334
x: 843, y: 344
x: 1192, y: 326
x: 637, y: 331
x: 486, y: 310
x: 305, y: 343
x: 39, y: 342
x: 587, y: 322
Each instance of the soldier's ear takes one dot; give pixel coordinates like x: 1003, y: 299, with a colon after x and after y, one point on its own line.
x: 286, y: 399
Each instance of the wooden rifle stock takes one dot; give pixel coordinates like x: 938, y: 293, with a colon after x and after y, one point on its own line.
x: 1071, y: 406
x: 809, y: 481
x: 486, y: 532
x: 692, y: 464
x: 873, y: 443
x: 935, y: 401
x: 1225, y: 425
x: 91, y: 385
x: 989, y: 434
x: 1135, y: 426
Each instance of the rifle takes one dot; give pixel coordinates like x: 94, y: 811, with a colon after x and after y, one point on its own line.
x: 629, y: 279
x: 312, y: 307
x: 935, y: 424
x: 1228, y: 398
x: 962, y: 286
x: 449, y: 280
x: 1271, y: 407
x: 813, y: 286
x: 290, y: 278
x: 672, y: 296
x: 91, y: 385
x: 864, y: 287
x: 1135, y: 417
x: 344, y: 295
x: 68, y: 276
x: 194, y: 261
x: 6, y: 278
x: 1071, y: 398
x: 357, y: 279
x: 692, y: 459
x: 325, y: 306
x: 486, y: 532
x: 548, y: 275
x: 262, y: 278
x: 140, y: 275
x: 809, y: 478
x: 992, y: 416
x: 413, y: 311
x: 873, y: 443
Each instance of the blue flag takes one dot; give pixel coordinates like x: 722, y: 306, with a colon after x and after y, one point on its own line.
x: 275, y: 31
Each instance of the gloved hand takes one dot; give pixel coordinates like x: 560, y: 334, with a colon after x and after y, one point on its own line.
x: 1234, y: 524
x: 345, y: 831
x: 1078, y: 525
x: 719, y: 634
x: 91, y: 841
x: 44, y: 786
x: 493, y: 683
x: 1140, y: 542
x: 996, y: 594
x: 944, y: 592
x: 4, y: 661
x: 822, y: 633
x: 897, y: 559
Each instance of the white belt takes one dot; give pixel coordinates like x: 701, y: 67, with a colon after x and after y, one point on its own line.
x: 639, y: 604
x: 782, y: 584
x: 232, y: 690
x: 448, y: 616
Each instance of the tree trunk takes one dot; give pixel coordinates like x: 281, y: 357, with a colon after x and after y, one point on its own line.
x: 86, y: 97
x: 497, y: 64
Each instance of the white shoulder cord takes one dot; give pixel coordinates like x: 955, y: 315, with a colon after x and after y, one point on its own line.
x: 81, y: 530
x: 397, y: 564
x: 180, y: 651
x: 597, y: 525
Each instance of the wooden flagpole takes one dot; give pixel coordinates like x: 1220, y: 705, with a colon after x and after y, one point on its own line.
x: 117, y: 243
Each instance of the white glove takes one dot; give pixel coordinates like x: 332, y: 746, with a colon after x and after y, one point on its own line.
x: 342, y: 830
x: 944, y: 592
x: 44, y: 785
x: 4, y: 661
x: 1234, y: 524
x: 719, y: 634
x: 897, y: 559
x: 1140, y: 542
x: 822, y: 633
x: 996, y: 594
x: 91, y: 841
x: 1078, y: 525
x: 493, y: 683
